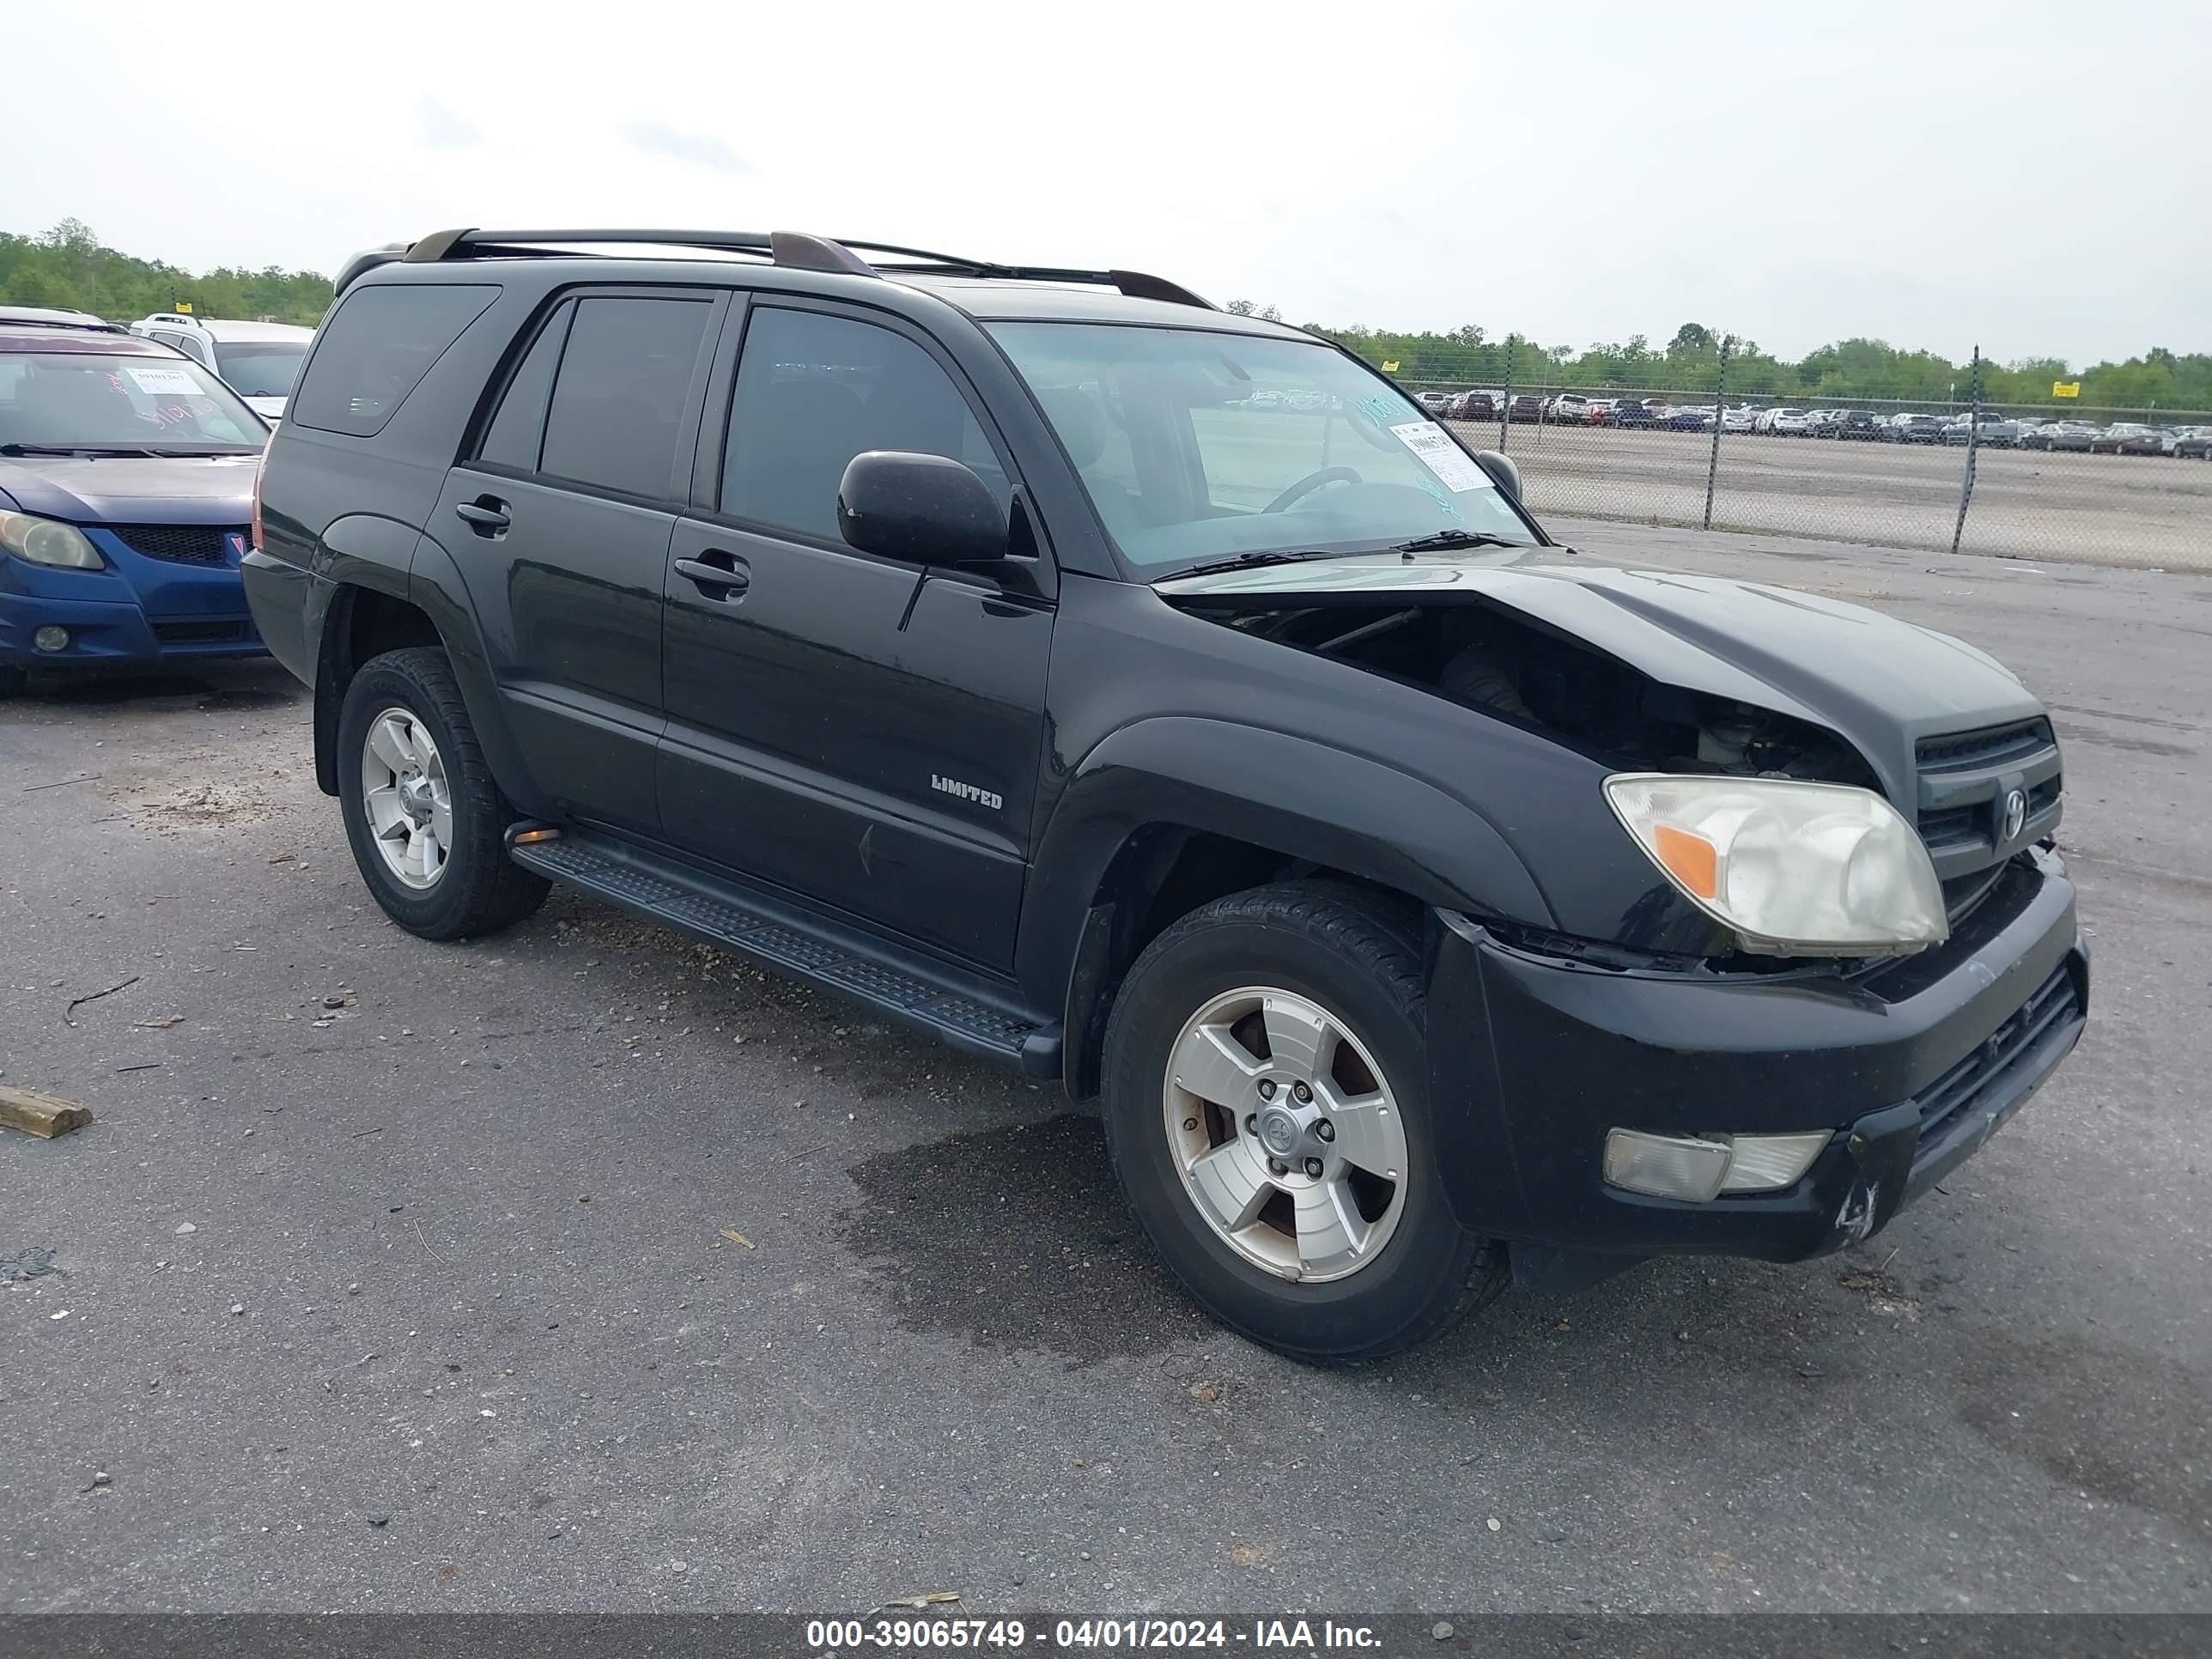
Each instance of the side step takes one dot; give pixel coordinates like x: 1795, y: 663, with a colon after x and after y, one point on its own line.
x: 924, y: 996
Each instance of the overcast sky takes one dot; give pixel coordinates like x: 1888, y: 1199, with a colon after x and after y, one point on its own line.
x: 2034, y: 177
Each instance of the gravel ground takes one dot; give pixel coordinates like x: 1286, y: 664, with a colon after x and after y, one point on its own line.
x: 583, y: 1268
x: 2147, y: 512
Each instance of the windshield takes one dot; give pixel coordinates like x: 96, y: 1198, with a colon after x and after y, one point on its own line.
x: 1196, y: 446
x: 260, y: 368
x: 96, y: 401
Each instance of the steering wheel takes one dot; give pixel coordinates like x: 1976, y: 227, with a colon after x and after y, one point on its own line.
x: 1311, y: 482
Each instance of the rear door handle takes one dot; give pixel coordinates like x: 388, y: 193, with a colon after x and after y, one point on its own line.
x: 715, y: 581
x: 487, y: 514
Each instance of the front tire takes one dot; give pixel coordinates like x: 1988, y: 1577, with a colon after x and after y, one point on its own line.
x: 1265, y: 1077
x: 423, y: 814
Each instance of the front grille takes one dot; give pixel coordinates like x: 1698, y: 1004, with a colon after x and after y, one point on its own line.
x: 179, y: 544
x: 1993, y: 745
x: 2056, y: 1004
x: 201, y: 633
x: 1964, y: 778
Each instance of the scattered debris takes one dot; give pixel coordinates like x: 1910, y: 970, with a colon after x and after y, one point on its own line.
x: 1494, y: 1523
x: 43, y: 1116
x: 736, y: 1237
x: 77, y: 1003
x: 186, y: 1227
x: 238, y: 1307
x: 1206, y: 1391
x: 142, y: 1065
x: 927, y: 1599
x: 161, y: 1023
x: 1441, y: 1630
x: 60, y: 783
x: 25, y: 1265
x: 379, y: 1520
x: 358, y: 1133
x: 334, y: 1002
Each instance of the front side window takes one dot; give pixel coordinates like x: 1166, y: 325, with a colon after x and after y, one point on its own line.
x: 260, y: 368
x: 1196, y: 446
x: 814, y: 391
x: 99, y: 402
x: 619, y: 400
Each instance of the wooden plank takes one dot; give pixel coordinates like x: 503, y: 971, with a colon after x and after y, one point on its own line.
x: 43, y: 1116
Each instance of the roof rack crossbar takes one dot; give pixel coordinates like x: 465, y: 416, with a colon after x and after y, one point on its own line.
x: 792, y: 250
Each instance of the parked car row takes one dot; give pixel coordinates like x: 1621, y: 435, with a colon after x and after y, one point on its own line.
x: 1989, y: 429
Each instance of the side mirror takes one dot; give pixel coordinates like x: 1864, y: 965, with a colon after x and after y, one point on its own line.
x: 926, y: 509
x: 1502, y: 471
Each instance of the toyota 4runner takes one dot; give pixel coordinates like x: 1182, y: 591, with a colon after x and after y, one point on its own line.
x: 1157, y: 700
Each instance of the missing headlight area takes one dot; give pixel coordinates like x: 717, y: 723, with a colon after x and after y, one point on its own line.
x: 1530, y: 676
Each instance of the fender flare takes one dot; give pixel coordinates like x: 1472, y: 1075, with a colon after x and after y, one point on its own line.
x: 1342, y: 811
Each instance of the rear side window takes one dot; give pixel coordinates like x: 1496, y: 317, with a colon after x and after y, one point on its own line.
x: 813, y: 392
x: 518, y: 429
x: 375, y: 350
x: 618, y: 397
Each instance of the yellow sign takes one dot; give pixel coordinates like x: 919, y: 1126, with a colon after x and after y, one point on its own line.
x: 183, y: 307
x: 1389, y: 368
x: 2066, y: 388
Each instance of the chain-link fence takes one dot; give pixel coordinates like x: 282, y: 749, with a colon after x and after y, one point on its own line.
x: 2015, y: 480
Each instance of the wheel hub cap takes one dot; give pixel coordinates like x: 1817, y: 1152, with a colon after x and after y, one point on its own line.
x: 405, y: 798
x: 1286, y: 1135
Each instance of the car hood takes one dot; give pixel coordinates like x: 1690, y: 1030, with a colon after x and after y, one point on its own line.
x: 269, y: 409
x: 1879, y: 683
x: 131, y: 489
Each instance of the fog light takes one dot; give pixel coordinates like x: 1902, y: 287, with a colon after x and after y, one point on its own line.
x: 51, y: 638
x: 1761, y: 1163
x: 1700, y: 1168
x: 1666, y: 1166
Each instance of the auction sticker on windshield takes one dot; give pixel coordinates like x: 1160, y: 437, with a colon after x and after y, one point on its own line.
x: 164, y: 381
x: 1451, y: 464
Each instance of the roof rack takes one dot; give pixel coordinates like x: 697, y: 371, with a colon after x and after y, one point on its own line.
x: 792, y: 250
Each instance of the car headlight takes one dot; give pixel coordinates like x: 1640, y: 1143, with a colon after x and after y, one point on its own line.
x: 1796, y: 869
x: 42, y: 541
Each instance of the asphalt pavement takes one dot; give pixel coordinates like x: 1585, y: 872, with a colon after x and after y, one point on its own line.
x: 584, y: 1268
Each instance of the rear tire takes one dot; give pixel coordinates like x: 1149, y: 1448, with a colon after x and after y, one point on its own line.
x: 428, y: 829
x: 1346, y: 1263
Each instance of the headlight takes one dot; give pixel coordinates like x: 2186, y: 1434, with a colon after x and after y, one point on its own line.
x: 1796, y: 869
x: 42, y: 541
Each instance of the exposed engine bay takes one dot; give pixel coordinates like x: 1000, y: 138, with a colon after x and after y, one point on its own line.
x: 1530, y: 676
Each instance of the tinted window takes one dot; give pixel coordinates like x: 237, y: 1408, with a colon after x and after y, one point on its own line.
x: 812, y: 393
x: 260, y: 368
x: 519, y: 427
x: 618, y: 400
x: 375, y: 350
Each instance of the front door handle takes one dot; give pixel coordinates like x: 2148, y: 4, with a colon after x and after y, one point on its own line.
x: 487, y: 514
x: 715, y: 581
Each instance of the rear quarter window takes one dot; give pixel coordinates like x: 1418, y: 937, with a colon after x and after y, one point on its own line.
x: 375, y: 350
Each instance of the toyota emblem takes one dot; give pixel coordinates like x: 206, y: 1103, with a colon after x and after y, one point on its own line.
x: 2015, y: 813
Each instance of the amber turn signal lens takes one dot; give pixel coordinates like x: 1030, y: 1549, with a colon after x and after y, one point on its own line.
x: 1690, y: 859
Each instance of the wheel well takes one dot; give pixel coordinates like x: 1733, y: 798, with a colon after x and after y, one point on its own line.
x: 1161, y: 873
x: 362, y: 624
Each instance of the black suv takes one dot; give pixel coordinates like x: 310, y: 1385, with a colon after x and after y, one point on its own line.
x: 1157, y: 701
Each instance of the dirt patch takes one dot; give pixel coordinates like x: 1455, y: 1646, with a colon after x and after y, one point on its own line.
x: 182, y: 795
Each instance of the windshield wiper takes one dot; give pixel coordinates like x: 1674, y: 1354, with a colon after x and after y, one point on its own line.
x: 1254, y: 561
x: 1449, y: 538
x: 72, y: 449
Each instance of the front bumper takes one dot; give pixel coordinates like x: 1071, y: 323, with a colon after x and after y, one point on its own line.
x: 135, y: 611
x: 1912, y: 1066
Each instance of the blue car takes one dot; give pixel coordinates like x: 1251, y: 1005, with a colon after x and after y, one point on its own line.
x: 126, y: 494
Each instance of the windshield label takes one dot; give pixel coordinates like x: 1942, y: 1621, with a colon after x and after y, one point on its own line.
x: 164, y: 382
x: 1451, y: 464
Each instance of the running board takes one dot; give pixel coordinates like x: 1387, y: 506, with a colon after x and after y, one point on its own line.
x: 780, y: 936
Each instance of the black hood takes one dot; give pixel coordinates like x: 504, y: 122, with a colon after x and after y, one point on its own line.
x: 1879, y: 683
